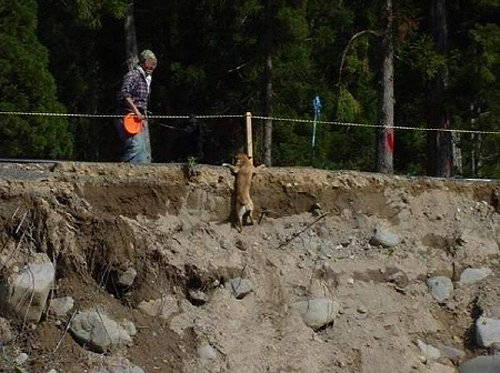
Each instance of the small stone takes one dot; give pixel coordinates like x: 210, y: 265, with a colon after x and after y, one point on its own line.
x: 385, y: 237
x: 61, y: 306
x: 129, y: 326
x: 239, y: 287
x: 243, y: 246
x: 318, y: 312
x: 197, y: 297
x: 127, y: 278
x: 472, y: 275
x: 5, y: 331
x: 21, y: 358
x: 206, y: 352
x: 431, y: 353
x: 440, y: 287
x: 225, y: 244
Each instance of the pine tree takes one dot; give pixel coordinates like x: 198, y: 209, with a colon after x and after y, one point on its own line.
x: 27, y: 86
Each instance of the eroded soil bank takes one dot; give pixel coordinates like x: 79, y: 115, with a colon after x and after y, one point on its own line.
x: 314, y: 238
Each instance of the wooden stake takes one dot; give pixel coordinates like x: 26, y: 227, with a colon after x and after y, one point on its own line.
x: 248, y: 118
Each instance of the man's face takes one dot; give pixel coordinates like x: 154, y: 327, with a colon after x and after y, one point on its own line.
x: 148, y: 66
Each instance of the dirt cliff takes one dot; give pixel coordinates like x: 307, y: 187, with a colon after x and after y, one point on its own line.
x: 314, y: 237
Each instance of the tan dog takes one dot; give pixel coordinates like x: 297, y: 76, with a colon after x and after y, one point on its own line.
x: 244, y: 170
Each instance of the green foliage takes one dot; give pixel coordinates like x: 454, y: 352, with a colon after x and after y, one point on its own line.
x: 27, y: 86
x: 422, y: 56
x: 348, y: 108
x: 212, y: 59
x: 92, y: 11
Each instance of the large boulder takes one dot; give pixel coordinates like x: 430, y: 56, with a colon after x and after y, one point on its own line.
x: 481, y: 364
x: 487, y: 331
x: 97, y: 331
x: 29, y: 289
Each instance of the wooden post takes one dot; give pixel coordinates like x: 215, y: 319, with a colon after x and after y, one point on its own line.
x: 248, y: 118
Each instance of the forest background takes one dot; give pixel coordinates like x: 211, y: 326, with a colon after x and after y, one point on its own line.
x: 270, y: 58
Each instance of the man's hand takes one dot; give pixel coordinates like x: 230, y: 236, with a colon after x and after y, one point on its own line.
x: 132, y: 106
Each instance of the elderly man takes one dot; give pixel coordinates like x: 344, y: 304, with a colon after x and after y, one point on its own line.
x: 133, y: 97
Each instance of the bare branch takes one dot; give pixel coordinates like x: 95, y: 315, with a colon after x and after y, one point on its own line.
x: 346, y: 49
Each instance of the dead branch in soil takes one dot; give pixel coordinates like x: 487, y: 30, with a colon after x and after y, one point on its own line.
x: 297, y: 234
x: 32, y: 278
x: 264, y: 213
x: 16, y: 249
x: 65, y: 332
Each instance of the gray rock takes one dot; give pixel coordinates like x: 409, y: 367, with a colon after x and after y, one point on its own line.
x: 206, y: 351
x: 30, y: 288
x: 481, y: 364
x: 61, y: 306
x: 487, y: 331
x: 318, y: 312
x: 440, y: 287
x: 452, y: 353
x: 129, y: 326
x: 225, y: 244
x: 97, y: 331
x: 385, y: 237
x: 494, y: 312
x: 242, y: 245
x: 197, y: 296
x: 126, y: 368
x: 21, y: 358
x: 472, y: 275
x: 127, y: 278
x: 121, y: 366
x: 239, y: 287
x: 5, y: 332
x: 431, y: 353
x: 163, y: 307
x: 397, y: 277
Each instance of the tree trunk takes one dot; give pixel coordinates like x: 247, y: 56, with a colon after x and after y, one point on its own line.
x: 385, y: 136
x: 131, y: 52
x: 439, y: 143
x: 268, y: 106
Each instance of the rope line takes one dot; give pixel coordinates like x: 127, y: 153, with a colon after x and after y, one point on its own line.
x: 78, y: 115
x: 259, y: 117
x: 352, y: 124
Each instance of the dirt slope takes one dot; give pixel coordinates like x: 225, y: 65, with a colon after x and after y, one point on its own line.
x: 314, y: 239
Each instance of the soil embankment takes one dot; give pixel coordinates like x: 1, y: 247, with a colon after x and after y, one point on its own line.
x: 366, y: 243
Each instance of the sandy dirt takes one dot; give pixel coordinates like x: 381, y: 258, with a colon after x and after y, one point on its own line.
x: 312, y: 239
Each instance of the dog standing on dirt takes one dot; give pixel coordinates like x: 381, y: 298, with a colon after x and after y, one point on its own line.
x: 244, y: 170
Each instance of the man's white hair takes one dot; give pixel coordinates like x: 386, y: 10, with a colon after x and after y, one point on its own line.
x: 146, y: 54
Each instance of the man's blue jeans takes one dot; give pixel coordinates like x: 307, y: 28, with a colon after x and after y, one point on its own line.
x: 136, y: 148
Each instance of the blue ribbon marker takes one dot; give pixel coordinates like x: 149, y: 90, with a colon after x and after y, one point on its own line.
x: 317, y: 111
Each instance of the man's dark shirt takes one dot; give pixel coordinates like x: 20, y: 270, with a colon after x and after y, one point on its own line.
x: 134, y: 86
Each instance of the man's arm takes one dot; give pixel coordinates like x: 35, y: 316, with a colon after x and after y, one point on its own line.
x: 128, y: 84
x: 131, y: 105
